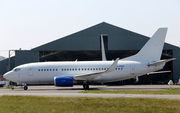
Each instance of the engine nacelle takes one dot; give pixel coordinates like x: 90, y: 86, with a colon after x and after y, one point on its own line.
x: 63, y: 81
x: 134, y: 80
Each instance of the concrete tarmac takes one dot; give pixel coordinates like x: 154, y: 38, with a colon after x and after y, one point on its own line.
x: 53, y: 91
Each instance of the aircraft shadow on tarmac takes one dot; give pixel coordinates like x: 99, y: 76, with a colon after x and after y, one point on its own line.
x: 60, y: 89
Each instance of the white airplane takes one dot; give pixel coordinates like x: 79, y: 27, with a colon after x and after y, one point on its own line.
x: 64, y: 74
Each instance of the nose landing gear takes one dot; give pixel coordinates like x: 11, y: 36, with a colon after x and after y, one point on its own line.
x: 25, y: 87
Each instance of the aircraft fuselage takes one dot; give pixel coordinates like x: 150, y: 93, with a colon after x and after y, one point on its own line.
x: 46, y: 71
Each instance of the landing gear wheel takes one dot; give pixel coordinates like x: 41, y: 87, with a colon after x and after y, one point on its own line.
x: 86, y: 85
x: 12, y: 88
x: 25, y: 87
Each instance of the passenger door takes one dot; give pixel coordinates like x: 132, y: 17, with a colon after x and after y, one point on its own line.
x: 132, y: 69
x: 30, y: 71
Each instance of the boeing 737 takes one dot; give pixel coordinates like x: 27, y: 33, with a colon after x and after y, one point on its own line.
x: 64, y: 74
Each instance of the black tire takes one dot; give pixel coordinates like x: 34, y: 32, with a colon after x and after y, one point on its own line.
x: 84, y: 86
x: 25, y: 87
x: 87, y: 87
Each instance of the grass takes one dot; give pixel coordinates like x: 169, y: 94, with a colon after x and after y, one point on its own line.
x: 168, y: 91
x: 32, y: 104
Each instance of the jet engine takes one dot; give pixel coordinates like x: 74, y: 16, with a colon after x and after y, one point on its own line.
x: 134, y: 80
x: 63, y: 81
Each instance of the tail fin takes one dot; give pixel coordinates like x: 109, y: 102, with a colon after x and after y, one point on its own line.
x: 152, y: 50
x: 102, y: 49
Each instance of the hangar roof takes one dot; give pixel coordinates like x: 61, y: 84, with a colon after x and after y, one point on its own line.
x: 89, y: 39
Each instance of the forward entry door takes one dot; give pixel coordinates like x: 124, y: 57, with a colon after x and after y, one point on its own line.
x: 30, y: 71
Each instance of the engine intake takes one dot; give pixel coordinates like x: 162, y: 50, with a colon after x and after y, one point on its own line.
x: 63, y: 81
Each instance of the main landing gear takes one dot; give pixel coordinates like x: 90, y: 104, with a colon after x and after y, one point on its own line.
x: 86, y: 85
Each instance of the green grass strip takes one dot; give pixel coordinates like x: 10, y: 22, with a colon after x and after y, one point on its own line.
x: 168, y: 91
x: 32, y: 104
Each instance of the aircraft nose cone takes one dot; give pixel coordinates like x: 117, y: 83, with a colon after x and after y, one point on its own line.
x: 7, y: 75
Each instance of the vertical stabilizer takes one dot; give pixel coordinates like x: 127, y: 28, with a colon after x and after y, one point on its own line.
x: 152, y: 50
x: 102, y: 49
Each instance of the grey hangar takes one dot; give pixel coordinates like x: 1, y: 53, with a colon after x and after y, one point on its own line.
x: 85, y: 45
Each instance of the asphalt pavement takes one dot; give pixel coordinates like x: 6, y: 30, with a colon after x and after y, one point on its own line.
x: 53, y: 91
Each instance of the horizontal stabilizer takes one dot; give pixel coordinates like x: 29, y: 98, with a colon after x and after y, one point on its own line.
x: 93, y: 75
x: 160, y: 62
x: 158, y: 72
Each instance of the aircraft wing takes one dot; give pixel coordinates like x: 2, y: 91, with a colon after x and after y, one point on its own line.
x: 161, y: 61
x: 93, y: 75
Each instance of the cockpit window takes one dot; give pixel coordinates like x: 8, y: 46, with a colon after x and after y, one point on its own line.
x: 17, y: 69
